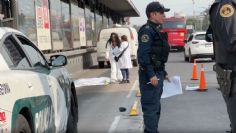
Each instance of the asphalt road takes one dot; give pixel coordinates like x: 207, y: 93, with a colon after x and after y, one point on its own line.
x: 191, y: 112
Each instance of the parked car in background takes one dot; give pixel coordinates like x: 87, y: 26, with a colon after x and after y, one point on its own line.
x: 198, y: 47
x: 104, y: 35
x: 36, y: 95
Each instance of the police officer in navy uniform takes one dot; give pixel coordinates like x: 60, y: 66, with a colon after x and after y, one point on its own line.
x: 153, y: 53
x: 223, y: 26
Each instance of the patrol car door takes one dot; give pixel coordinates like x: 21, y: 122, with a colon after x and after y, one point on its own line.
x: 27, y: 85
x: 40, y: 65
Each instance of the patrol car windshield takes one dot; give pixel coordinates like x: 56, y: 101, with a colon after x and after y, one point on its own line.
x: 174, y: 24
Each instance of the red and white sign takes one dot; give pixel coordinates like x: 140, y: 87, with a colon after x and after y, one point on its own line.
x: 43, y: 25
x: 2, y: 117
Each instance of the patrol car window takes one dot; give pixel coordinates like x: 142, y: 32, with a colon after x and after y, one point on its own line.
x: 34, y: 55
x: 14, y: 55
x: 200, y: 37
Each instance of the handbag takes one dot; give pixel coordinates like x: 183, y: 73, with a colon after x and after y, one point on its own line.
x: 117, y: 58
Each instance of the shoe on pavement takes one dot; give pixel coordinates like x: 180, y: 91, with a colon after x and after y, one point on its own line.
x: 122, y: 82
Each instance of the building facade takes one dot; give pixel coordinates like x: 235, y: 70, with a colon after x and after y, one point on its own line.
x: 68, y: 27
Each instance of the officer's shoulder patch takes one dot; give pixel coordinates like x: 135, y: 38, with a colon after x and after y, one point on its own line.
x: 144, y: 38
x: 226, y: 10
x: 147, y: 26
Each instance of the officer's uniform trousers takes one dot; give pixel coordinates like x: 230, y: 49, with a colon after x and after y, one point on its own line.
x: 150, y: 99
x: 231, y: 105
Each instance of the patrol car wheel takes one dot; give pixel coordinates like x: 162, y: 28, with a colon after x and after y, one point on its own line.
x: 22, y: 125
x: 72, y: 118
x: 74, y: 108
x: 101, y: 64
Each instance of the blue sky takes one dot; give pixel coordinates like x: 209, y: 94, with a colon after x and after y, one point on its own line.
x: 184, y: 6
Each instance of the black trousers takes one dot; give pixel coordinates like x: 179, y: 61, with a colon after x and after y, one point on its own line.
x: 231, y: 105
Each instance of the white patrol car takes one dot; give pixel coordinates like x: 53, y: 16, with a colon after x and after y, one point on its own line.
x: 36, y: 95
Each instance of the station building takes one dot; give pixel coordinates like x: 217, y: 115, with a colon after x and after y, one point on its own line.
x: 68, y: 27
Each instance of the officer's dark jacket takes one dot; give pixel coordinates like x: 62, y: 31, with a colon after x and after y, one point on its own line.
x: 152, y: 43
x: 223, y: 24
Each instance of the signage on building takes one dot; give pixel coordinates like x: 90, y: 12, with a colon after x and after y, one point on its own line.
x: 82, y: 31
x: 43, y: 24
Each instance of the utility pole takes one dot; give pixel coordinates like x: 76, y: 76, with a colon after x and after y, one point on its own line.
x: 194, y: 17
x: 193, y: 8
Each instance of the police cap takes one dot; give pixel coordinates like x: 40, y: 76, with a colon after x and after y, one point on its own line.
x: 156, y: 6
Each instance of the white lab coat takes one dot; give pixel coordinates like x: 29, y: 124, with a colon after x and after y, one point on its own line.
x: 125, y: 60
x: 115, y: 70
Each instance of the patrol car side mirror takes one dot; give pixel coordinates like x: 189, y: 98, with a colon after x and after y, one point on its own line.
x: 58, y: 60
x: 209, y: 38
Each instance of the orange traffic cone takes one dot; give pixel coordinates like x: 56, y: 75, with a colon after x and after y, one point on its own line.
x: 202, y: 83
x: 194, y: 72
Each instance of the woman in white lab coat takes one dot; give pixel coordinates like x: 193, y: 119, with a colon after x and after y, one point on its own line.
x: 124, y: 61
x: 112, y: 44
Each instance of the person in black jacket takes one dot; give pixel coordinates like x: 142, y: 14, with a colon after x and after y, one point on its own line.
x: 153, y: 51
x: 223, y: 26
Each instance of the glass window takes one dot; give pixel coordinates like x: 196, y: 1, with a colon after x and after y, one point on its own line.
x: 82, y: 31
x: 174, y: 24
x: 5, y: 8
x: 88, y: 26
x: 34, y: 55
x: 110, y: 22
x: 56, y: 23
x: 200, y: 37
x: 105, y: 22
x: 26, y: 15
x: 75, y: 24
x: 14, y: 55
x: 66, y: 24
x: 98, y: 24
x: 92, y: 16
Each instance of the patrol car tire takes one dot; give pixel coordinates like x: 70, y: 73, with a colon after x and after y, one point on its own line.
x: 74, y: 108
x: 135, y: 63
x: 72, y: 118
x: 22, y: 125
x: 101, y: 64
x: 71, y: 124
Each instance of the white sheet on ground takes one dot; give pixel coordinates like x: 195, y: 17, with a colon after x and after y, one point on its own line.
x: 92, y: 81
x: 191, y: 88
x: 172, y: 88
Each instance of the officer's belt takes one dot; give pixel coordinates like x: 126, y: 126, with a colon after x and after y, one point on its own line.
x: 226, y: 67
x: 161, y: 68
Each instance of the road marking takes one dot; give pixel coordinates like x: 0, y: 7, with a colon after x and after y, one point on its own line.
x: 132, y: 89
x: 134, y: 109
x: 114, y: 124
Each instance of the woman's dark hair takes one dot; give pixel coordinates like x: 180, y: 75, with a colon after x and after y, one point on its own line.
x: 124, y: 38
x: 116, y: 39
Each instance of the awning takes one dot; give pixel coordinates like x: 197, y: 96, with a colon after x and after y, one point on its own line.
x: 124, y: 8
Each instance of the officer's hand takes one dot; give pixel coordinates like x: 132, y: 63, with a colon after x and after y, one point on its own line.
x: 167, y: 78
x: 154, y: 81
x: 106, y: 59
